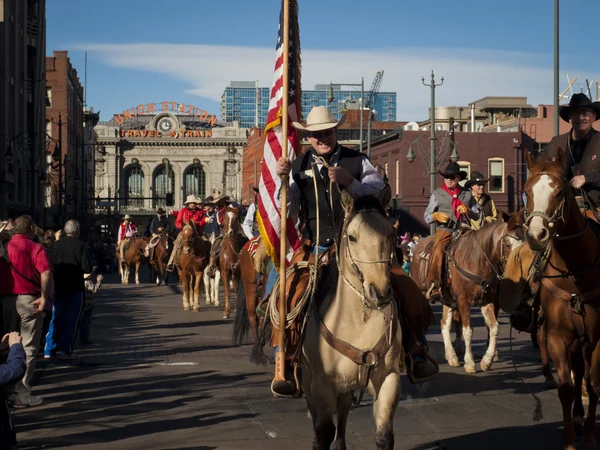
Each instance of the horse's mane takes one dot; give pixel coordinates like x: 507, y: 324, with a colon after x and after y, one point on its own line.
x: 475, y: 244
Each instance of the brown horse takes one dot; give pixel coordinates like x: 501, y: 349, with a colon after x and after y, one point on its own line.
x: 133, y: 255
x: 248, y: 297
x: 229, y: 259
x: 192, y: 262
x: 158, y: 251
x: 568, y: 291
x: 475, y: 264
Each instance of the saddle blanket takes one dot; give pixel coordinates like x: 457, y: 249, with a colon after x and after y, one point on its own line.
x: 252, y: 245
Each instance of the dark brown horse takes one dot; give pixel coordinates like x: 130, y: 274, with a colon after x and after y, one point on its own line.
x: 229, y: 259
x: 475, y: 263
x: 158, y: 252
x: 192, y: 262
x: 133, y: 255
x: 569, y: 292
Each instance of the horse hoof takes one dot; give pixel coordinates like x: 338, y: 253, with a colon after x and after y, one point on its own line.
x: 225, y: 316
x: 186, y: 308
x: 470, y: 369
x: 196, y: 309
x: 550, y: 383
x: 453, y: 363
x: 485, y: 365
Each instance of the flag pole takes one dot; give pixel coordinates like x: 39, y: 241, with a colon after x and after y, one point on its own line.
x: 280, y: 360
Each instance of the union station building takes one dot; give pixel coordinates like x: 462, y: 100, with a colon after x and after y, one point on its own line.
x: 156, y: 154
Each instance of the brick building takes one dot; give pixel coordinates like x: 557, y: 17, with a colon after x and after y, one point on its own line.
x: 22, y: 87
x: 64, y: 127
x: 498, y: 156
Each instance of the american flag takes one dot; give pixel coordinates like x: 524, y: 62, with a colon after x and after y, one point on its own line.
x: 269, y: 215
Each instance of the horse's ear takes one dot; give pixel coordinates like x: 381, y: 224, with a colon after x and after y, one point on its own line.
x: 503, y: 215
x: 386, y: 196
x: 347, y: 201
x: 528, y: 159
x: 516, y: 220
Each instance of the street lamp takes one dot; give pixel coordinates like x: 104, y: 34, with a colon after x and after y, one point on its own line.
x: 330, y: 99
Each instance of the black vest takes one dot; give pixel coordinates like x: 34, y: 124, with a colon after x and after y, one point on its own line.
x: 486, y: 206
x: 303, y: 176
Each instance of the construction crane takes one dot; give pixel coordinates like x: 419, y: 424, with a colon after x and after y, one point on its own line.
x: 370, y: 104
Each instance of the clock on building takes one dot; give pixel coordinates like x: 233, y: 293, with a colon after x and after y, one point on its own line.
x: 165, y: 125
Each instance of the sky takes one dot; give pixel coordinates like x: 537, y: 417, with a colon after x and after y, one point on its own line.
x: 188, y: 51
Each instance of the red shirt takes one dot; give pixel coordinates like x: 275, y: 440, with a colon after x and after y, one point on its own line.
x: 30, y: 260
x: 186, y: 214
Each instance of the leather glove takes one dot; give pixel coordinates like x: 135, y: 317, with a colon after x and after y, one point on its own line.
x: 489, y: 219
x: 462, y: 209
x: 440, y: 217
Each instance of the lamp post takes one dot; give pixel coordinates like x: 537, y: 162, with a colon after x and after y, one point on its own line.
x: 433, y: 161
x: 330, y: 99
x: 556, y: 67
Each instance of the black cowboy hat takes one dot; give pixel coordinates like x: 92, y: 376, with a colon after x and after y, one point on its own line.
x: 476, y: 178
x: 255, y: 189
x: 453, y: 170
x: 160, y: 211
x: 578, y: 101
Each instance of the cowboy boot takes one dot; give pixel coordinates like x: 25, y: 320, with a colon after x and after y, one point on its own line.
x: 420, y: 367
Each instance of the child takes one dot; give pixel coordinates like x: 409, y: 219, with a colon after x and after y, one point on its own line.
x: 406, y: 264
x: 88, y: 306
x: 13, y: 370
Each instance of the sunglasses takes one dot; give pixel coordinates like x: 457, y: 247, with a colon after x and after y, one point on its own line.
x: 321, y: 134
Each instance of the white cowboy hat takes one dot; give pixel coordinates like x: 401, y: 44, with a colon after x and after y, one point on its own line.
x: 127, y: 217
x: 319, y: 119
x: 191, y: 199
x: 220, y: 198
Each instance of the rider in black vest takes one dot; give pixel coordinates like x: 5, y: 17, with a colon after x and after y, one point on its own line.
x: 485, y: 205
x: 351, y: 170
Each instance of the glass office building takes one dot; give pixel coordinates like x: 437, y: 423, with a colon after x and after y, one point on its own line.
x: 248, y: 103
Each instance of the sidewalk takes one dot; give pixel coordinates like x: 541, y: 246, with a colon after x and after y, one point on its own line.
x: 158, y: 377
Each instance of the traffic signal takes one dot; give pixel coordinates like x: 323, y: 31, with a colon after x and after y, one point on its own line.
x: 170, y: 200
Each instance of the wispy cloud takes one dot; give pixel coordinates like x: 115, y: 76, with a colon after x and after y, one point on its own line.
x: 205, y: 70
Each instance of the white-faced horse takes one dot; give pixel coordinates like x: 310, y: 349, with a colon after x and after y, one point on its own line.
x: 211, y: 284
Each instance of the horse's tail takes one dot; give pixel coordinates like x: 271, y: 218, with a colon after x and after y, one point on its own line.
x: 241, y: 325
x: 257, y: 355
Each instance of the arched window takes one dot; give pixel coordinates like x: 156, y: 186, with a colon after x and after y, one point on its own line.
x: 194, y: 181
x: 163, y: 183
x: 134, y: 177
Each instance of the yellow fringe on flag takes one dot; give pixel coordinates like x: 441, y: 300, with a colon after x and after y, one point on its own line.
x: 266, y: 241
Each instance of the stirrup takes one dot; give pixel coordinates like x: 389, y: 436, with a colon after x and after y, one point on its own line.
x: 410, y: 364
x: 170, y: 267
x: 428, y: 295
x: 287, y: 388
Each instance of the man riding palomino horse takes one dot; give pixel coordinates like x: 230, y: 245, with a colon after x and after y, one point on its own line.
x: 127, y: 231
x: 335, y: 167
x: 582, y: 169
x: 446, y: 207
x: 190, y: 212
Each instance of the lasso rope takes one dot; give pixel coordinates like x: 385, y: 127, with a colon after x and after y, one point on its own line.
x: 306, y: 295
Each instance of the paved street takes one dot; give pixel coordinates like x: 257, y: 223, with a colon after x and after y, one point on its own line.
x: 158, y: 377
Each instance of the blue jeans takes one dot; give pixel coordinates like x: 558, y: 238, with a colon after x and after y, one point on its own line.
x: 84, y: 325
x: 65, y: 320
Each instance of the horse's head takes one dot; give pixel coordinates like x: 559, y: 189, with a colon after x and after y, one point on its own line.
x: 546, y: 190
x: 232, y: 221
x: 366, y: 246
x: 188, y: 232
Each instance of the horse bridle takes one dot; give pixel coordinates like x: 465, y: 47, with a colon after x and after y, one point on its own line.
x: 356, y: 269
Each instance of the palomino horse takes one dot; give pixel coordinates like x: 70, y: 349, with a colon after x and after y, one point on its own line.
x: 357, y: 311
x: 569, y: 292
x: 229, y: 259
x: 211, y: 284
x: 158, y: 251
x: 133, y: 255
x: 475, y: 263
x: 192, y: 262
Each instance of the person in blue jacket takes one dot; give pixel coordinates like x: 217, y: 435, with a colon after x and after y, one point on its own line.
x: 11, y: 371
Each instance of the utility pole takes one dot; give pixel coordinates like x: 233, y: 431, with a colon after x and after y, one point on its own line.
x: 556, y: 67
x: 432, y: 138
x: 362, y: 102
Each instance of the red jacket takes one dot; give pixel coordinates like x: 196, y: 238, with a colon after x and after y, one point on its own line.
x: 122, y: 230
x: 186, y: 214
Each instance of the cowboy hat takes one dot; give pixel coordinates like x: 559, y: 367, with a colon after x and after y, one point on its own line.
x: 87, y: 275
x: 208, y: 201
x: 160, y: 211
x: 220, y: 199
x: 255, y: 189
x: 476, y: 178
x: 578, y: 101
x: 453, y: 170
x: 127, y: 217
x: 191, y: 199
x: 319, y: 119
